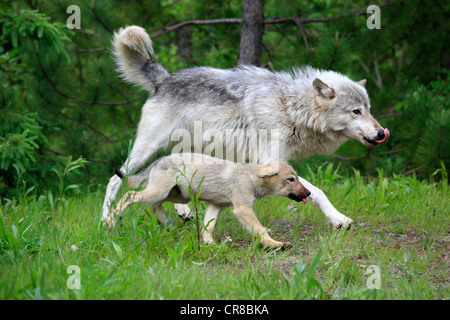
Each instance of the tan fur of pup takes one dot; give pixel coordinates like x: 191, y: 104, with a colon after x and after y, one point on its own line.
x: 225, y: 184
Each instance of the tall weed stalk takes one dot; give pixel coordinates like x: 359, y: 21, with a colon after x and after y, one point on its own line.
x: 194, y: 196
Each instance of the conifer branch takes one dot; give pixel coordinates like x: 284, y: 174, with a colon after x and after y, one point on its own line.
x: 298, y: 21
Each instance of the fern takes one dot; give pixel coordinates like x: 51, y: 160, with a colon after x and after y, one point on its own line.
x: 33, y: 24
x: 20, y: 136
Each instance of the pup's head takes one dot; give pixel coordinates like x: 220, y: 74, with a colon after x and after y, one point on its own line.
x: 346, y: 107
x: 282, y: 180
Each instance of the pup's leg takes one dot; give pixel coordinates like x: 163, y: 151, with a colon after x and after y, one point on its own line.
x: 247, y: 217
x: 211, y: 215
x: 320, y: 200
x: 161, y: 216
x: 128, y: 199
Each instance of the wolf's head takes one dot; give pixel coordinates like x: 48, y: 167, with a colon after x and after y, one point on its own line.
x: 344, y: 106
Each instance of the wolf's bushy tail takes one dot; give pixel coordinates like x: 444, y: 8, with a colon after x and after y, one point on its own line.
x: 133, y: 52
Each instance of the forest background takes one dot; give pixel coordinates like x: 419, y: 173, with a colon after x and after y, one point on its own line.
x: 62, y: 99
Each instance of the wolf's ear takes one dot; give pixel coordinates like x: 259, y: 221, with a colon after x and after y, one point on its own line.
x: 322, y: 89
x: 362, y: 82
x: 269, y: 170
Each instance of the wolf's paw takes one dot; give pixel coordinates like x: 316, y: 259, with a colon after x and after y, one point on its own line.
x: 340, y: 222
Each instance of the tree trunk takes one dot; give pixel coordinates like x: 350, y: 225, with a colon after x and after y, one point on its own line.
x: 252, y: 30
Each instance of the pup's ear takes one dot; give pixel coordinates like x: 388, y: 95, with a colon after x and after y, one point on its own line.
x: 322, y: 89
x: 362, y: 82
x: 268, y: 170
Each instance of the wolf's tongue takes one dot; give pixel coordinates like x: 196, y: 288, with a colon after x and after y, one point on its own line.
x: 304, y: 200
x: 386, y: 136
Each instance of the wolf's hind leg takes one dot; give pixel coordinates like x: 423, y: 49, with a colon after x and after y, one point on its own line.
x: 148, y: 141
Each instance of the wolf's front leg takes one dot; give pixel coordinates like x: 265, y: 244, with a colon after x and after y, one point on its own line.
x: 320, y: 200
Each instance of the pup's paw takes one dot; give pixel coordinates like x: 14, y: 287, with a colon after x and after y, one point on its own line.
x: 109, y: 223
x: 287, y: 245
x: 184, y: 212
x: 207, y: 238
x: 273, y: 245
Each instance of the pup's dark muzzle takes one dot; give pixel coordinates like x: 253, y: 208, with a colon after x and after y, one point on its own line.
x: 301, y: 195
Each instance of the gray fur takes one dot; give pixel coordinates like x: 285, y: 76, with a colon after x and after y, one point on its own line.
x: 133, y: 53
x: 251, y: 97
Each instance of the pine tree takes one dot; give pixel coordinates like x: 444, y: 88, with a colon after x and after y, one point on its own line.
x: 61, y: 95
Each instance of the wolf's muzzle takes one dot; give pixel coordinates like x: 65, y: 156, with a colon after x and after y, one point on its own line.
x: 383, y: 135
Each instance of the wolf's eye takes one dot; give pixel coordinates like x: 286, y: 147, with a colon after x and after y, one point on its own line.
x: 291, y: 179
x: 356, y: 111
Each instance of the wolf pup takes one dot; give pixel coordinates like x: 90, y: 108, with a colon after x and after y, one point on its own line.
x: 225, y: 184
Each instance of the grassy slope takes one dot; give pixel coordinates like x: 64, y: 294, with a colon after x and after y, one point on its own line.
x: 401, y: 225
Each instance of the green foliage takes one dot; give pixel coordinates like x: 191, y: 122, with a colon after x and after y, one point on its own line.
x: 19, y: 133
x: 14, y: 242
x: 426, y: 123
x: 21, y: 137
x: 23, y: 132
x: 405, y: 234
x: 70, y: 168
x: 303, y: 284
x: 27, y: 23
x: 61, y: 95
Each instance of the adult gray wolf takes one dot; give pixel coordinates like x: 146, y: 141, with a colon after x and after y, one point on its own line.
x: 223, y: 184
x: 312, y: 111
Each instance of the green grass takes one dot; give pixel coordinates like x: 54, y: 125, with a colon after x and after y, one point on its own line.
x: 401, y: 226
